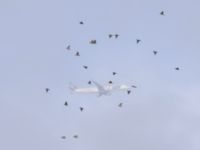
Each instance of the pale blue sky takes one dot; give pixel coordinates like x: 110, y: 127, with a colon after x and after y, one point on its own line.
x: 162, y: 113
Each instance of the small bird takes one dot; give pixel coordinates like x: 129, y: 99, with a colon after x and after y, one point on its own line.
x: 110, y: 82
x: 68, y: 47
x: 129, y: 91
x: 66, y: 104
x: 47, y: 90
x: 116, y: 36
x: 77, y: 54
x: 177, y: 68
x: 110, y: 35
x: 138, y: 41
x: 75, y: 136
x: 81, y: 22
x: 120, y: 104
x: 155, y: 52
x: 114, y: 73
x: 162, y: 13
x: 133, y: 86
x: 93, y: 42
x: 63, y: 137
x: 81, y: 108
x: 89, y: 82
x: 85, y: 67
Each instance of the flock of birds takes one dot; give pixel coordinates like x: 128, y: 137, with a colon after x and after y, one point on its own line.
x: 94, y: 41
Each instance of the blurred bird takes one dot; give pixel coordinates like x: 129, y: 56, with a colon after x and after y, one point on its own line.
x: 155, y: 52
x: 110, y: 82
x: 116, y: 36
x: 66, y: 104
x: 114, y: 73
x: 81, y: 108
x: 81, y: 22
x: 63, y: 137
x: 177, y: 68
x: 77, y: 54
x: 138, y: 41
x: 68, y: 47
x: 47, y: 90
x: 120, y: 104
x: 93, y: 42
x: 133, y: 86
x: 129, y: 91
x: 89, y: 82
x: 110, y: 35
x: 75, y: 136
x: 162, y: 13
x: 85, y: 67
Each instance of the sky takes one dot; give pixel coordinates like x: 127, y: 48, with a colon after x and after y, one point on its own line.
x: 161, y: 113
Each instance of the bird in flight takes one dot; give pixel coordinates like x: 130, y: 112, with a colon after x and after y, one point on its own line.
x: 85, y: 67
x: 177, y: 68
x: 120, y: 104
x: 128, y: 92
x: 110, y: 35
x: 114, y: 73
x: 162, y: 13
x: 133, y: 86
x: 75, y: 136
x: 77, y: 54
x: 138, y: 41
x: 110, y: 82
x: 116, y: 36
x: 155, y: 52
x: 66, y: 104
x: 81, y: 108
x: 81, y: 22
x: 68, y: 47
x: 63, y: 137
x: 47, y: 90
x: 89, y: 82
x: 93, y: 42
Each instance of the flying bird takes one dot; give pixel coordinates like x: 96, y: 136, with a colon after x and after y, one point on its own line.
x: 110, y: 35
x: 177, y: 68
x: 116, y: 35
x: 93, y: 42
x: 81, y: 108
x: 85, y: 67
x: 47, y: 90
x: 77, y: 54
x: 89, y: 82
x: 155, y: 52
x: 66, y: 104
x: 133, y: 86
x: 75, y: 136
x: 63, y: 137
x: 162, y: 13
x: 120, y: 104
x: 138, y: 41
x: 114, y: 73
x: 81, y: 22
x: 68, y: 47
x: 110, y: 82
x: 129, y: 91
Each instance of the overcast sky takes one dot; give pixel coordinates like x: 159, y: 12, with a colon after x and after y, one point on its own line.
x: 161, y: 114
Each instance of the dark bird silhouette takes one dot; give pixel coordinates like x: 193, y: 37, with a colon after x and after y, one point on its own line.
x: 120, y: 105
x: 110, y: 82
x: 155, y: 52
x: 116, y: 36
x: 81, y: 108
x: 75, y: 136
x: 81, y: 22
x: 177, y: 68
x: 110, y: 35
x: 63, y: 137
x: 114, y: 73
x: 47, y: 90
x: 89, y: 82
x: 66, y: 104
x: 93, y: 42
x: 138, y: 41
x: 162, y: 13
x: 85, y: 67
x: 68, y: 47
x: 77, y: 54
x: 133, y: 86
x: 129, y: 91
